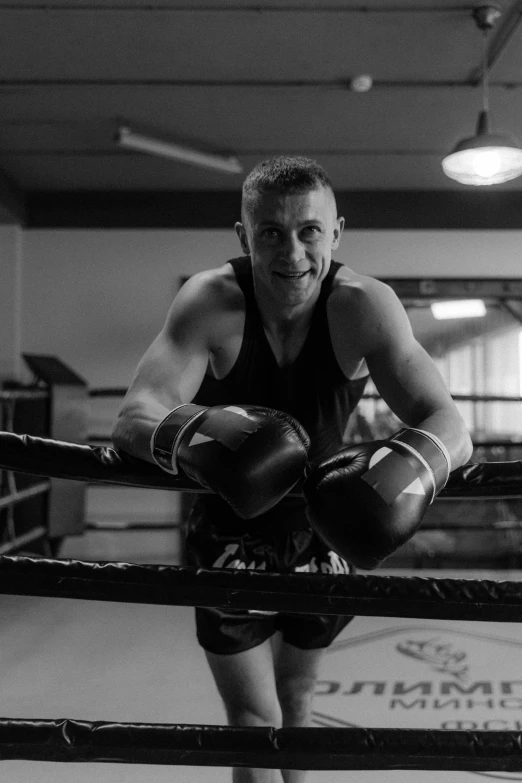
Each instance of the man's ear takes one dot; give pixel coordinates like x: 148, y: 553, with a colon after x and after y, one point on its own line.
x: 240, y: 231
x: 338, y: 230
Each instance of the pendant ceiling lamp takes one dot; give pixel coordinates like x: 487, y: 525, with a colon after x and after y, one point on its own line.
x: 486, y: 158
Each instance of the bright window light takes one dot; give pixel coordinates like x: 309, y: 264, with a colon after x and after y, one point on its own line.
x: 520, y: 361
x: 465, y: 308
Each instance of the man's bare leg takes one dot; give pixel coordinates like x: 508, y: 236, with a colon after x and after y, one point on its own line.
x: 246, y: 683
x: 296, y: 676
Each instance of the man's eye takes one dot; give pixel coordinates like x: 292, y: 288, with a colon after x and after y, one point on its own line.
x: 313, y: 229
x: 270, y: 233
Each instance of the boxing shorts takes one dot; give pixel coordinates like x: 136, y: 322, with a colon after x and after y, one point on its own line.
x: 280, y: 541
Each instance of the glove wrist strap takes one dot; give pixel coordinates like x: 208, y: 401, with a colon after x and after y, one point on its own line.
x: 167, y: 436
x: 440, y: 445
x: 430, y: 450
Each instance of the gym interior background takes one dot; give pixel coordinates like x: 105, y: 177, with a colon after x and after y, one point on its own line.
x: 95, y: 239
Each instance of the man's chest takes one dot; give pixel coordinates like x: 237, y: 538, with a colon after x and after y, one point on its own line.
x: 283, y: 348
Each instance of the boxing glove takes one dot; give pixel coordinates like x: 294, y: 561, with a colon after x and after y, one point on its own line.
x: 369, y: 499
x: 249, y: 455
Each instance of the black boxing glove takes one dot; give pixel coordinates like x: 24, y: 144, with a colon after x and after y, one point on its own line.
x: 369, y: 499
x: 249, y: 455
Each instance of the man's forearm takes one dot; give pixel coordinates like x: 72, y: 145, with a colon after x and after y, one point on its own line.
x: 134, y: 427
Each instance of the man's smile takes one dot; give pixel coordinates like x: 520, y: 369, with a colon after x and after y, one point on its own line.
x: 292, y: 275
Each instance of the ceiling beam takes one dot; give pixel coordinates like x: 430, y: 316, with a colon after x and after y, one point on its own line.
x: 237, y: 7
x: 407, y: 209
x: 498, y: 40
x: 328, y: 84
x: 504, y: 32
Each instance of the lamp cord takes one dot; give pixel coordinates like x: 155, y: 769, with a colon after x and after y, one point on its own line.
x: 485, y: 72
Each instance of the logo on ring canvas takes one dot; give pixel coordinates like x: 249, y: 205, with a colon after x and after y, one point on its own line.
x: 423, y: 675
x: 440, y: 657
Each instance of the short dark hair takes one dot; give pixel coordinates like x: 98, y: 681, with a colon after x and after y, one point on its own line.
x: 283, y: 174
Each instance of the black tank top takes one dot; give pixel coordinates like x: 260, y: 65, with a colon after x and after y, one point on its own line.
x: 313, y: 388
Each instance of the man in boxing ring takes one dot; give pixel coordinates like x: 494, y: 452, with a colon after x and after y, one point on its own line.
x: 265, y: 357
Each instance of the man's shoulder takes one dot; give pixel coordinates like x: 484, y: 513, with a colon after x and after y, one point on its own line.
x: 370, y: 311
x: 215, y: 287
x: 357, y: 290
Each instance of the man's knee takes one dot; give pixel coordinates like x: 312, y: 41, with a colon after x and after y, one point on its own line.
x: 253, y: 715
x: 295, y: 695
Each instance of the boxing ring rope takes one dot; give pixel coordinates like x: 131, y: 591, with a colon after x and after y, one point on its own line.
x: 369, y: 596
x: 287, y: 748
x: 13, y: 496
x: 10, y: 395
x: 268, y: 748
x: 106, y: 465
x: 300, y: 748
x: 24, y: 494
x: 111, y: 391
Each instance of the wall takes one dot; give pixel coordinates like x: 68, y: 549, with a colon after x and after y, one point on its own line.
x: 97, y: 298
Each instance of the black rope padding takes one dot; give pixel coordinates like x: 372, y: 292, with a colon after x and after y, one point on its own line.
x: 371, y: 596
x: 485, y: 479
x: 221, y: 746
x: 99, y: 464
x: 105, y: 465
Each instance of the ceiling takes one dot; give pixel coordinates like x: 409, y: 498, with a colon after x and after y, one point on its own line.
x: 249, y: 77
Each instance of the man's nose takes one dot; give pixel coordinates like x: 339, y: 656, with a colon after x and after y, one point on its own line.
x: 293, y: 248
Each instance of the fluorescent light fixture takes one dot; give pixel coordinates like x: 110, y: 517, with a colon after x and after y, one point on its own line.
x: 458, y: 308
x: 125, y: 137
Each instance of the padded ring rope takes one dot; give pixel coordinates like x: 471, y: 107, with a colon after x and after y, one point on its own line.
x: 23, y: 394
x: 307, y: 748
x: 104, y: 465
x: 268, y: 748
x: 24, y: 494
x: 122, y: 391
x: 370, y: 596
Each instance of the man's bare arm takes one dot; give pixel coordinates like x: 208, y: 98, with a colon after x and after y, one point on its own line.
x: 248, y: 455
x: 407, y: 378
x: 388, y: 485
x: 171, y: 369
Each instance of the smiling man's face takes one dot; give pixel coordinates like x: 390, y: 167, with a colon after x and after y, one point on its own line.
x: 290, y: 238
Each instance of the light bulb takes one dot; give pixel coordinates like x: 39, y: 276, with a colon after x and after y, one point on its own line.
x: 487, y: 163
